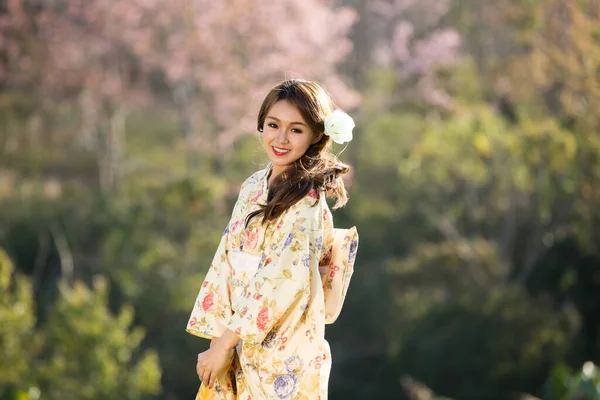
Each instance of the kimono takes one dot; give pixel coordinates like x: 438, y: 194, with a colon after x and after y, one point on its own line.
x: 276, y: 286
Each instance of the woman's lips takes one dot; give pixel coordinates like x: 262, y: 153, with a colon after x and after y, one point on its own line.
x: 279, y: 151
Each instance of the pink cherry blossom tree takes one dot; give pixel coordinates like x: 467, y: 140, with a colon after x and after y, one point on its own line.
x: 219, y: 59
x: 216, y: 60
x: 408, y: 36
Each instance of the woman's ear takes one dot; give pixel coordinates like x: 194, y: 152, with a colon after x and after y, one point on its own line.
x: 317, y: 137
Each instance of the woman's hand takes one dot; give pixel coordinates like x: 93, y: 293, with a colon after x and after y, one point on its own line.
x: 210, y: 363
x: 213, y: 360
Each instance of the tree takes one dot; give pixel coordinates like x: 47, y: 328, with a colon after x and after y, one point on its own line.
x: 105, y: 57
x: 413, y: 40
x: 81, y: 352
x: 90, y: 354
x: 18, y: 344
x: 469, y: 204
x: 219, y: 60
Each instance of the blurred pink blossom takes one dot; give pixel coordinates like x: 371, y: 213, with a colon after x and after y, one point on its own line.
x: 217, y: 58
x: 410, y: 38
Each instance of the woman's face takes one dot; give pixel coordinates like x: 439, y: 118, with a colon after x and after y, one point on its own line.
x: 286, y: 135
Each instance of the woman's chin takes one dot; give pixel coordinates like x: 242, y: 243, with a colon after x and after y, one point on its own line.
x: 281, y: 161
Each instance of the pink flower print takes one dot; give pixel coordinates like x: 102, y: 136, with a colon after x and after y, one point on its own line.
x: 251, y: 239
x: 283, y: 340
x: 193, y: 321
x: 255, y: 198
x: 263, y: 318
x: 235, y: 225
x: 334, y: 268
x: 207, y: 302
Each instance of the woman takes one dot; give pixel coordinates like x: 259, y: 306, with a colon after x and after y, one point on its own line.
x: 281, y: 270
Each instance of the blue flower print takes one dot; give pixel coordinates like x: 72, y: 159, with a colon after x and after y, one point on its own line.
x: 306, y: 261
x: 319, y: 243
x: 293, y: 363
x: 288, y: 241
x: 285, y: 386
x: 353, y: 247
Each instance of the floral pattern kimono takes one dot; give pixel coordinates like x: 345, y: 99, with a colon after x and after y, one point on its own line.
x: 275, y: 286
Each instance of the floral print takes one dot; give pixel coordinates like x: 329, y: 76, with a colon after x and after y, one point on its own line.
x: 279, y: 308
x: 207, y: 303
x: 269, y: 341
x: 286, y: 385
x: 293, y: 363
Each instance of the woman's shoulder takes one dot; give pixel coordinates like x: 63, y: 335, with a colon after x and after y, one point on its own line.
x: 311, y: 206
x: 257, y: 178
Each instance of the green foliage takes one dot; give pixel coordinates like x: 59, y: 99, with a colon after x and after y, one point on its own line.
x: 456, y: 323
x: 81, y: 352
x: 566, y: 384
x: 468, y: 204
x: 504, y: 341
x: 18, y: 344
x: 92, y: 353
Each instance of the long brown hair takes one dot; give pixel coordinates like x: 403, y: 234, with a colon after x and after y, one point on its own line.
x: 318, y: 168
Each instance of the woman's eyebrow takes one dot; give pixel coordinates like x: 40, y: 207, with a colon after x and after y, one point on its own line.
x: 291, y: 123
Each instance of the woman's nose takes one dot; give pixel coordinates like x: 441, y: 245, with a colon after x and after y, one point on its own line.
x: 282, y: 137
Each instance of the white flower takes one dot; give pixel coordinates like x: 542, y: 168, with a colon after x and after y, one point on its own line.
x: 339, y: 126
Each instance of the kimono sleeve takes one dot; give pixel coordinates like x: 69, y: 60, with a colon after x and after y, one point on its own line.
x: 212, y: 309
x: 341, y: 267
x: 283, y: 278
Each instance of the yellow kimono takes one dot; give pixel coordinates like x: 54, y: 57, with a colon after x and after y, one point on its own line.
x: 275, y: 286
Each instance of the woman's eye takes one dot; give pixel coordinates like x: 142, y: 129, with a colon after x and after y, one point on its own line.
x: 296, y: 130
x: 272, y: 125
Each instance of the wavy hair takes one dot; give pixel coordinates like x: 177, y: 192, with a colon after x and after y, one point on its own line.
x: 318, y: 168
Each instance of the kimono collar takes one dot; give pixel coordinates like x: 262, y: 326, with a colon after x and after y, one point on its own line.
x: 265, y: 177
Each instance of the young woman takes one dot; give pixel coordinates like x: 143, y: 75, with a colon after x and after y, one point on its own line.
x: 281, y: 270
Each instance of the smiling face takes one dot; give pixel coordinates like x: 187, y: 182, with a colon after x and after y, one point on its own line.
x: 286, y: 135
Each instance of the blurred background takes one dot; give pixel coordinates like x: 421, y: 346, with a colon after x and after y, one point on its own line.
x: 127, y: 126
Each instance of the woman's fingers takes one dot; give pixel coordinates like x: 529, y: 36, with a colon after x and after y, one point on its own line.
x: 208, y: 367
x: 200, y: 367
x: 212, y: 379
x: 206, y: 378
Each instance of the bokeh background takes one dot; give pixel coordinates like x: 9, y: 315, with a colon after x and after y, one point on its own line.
x: 127, y: 126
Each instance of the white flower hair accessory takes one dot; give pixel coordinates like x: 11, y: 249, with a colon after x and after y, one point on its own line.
x: 339, y: 126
